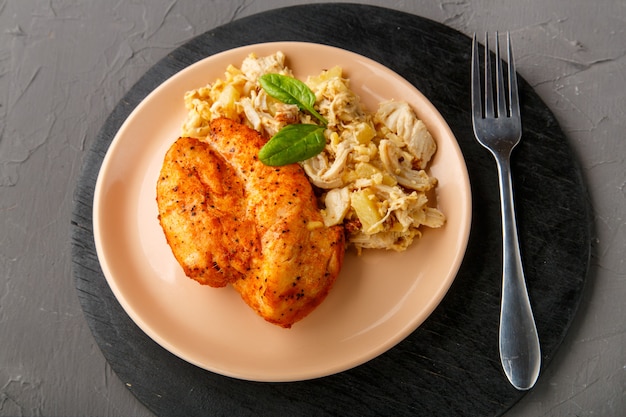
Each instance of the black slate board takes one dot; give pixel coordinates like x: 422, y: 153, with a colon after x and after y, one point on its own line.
x: 447, y: 367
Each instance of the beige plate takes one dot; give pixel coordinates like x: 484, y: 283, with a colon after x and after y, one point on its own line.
x: 379, y: 298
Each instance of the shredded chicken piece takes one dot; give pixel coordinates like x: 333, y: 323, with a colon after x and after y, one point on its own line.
x: 324, y: 174
x: 399, y: 164
x: 400, y: 120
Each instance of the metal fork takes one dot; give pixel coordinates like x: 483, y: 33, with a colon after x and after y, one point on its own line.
x: 500, y: 130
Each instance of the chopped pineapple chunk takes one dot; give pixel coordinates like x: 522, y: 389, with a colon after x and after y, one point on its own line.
x: 364, y: 133
x: 365, y: 170
x: 365, y: 204
x: 315, y: 80
x: 226, y: 102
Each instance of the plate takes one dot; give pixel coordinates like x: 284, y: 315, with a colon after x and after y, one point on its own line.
x: 379, y: 298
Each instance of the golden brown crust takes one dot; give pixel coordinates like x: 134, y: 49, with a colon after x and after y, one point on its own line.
x: 199, y: 195
x: 259, y: 225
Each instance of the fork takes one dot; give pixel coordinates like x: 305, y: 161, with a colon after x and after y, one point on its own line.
x: 500, y: 130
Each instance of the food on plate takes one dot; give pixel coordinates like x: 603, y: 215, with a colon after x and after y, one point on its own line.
x: 230, y: 219
x: 272, y: 174
x: 371, y: 175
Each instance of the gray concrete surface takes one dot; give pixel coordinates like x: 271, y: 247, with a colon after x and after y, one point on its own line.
x: 65, y: 64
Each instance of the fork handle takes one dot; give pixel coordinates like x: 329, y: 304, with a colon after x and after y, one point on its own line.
x: 520, y: 352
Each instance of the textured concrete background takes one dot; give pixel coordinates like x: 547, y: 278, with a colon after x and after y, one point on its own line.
x: 65, y: 64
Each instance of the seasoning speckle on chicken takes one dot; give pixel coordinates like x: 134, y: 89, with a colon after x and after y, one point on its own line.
x: 231, y: 219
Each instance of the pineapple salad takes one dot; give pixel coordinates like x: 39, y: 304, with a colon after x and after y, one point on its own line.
x: 371, y: 173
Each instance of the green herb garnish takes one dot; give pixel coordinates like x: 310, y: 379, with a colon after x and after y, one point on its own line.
x: 293, y: 143
x: 290, y: 91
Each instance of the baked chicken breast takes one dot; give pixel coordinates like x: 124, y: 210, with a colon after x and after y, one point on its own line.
x: 230, y: 219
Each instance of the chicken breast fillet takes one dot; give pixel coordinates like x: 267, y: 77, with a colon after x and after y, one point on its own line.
x: 231, y: 219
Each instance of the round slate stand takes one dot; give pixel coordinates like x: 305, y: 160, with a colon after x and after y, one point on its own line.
x: 450, y: 365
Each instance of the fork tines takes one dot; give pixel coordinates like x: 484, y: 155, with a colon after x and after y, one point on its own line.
x: 506, y: 106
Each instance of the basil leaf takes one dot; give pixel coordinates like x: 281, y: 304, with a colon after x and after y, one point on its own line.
x: 293, y: 143
x: 290, y: 91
